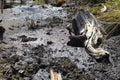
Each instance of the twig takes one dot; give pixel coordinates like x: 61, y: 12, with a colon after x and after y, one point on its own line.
x: 103, y: 22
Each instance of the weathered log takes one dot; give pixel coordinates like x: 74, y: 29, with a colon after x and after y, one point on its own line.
x: 85, y: 24
x: 77, y: 24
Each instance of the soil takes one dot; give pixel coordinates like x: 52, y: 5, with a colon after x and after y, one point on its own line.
x: 28, y: 54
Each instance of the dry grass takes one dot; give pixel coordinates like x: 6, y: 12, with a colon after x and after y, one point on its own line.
x: 110, y: 19
x: 111, y: 15
x: 39, y: 1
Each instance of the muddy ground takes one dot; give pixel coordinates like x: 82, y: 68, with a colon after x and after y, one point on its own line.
x: 29, y: 54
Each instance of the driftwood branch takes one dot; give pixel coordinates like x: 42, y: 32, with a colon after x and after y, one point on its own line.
x: 85, y: 24
x: 55, y: 75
